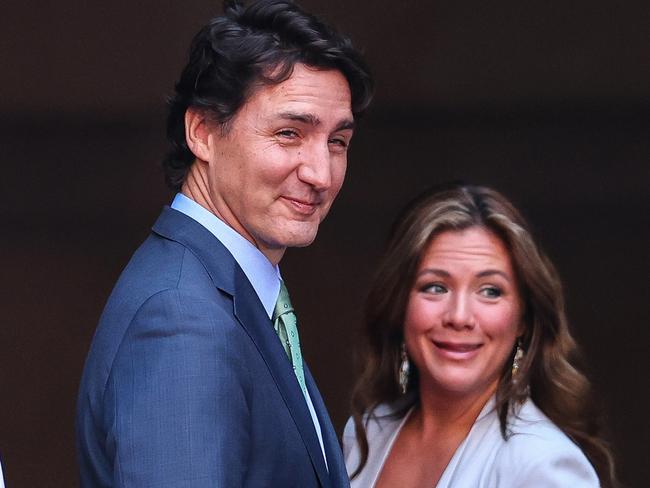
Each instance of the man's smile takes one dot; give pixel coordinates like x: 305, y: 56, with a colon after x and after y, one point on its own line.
x: 302, y: 206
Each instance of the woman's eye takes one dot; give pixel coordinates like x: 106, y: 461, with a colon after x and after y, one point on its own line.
x: 434, y: 288
x: 491, y: 292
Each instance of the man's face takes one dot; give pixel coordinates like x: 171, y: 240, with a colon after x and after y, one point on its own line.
x: 275, y: 173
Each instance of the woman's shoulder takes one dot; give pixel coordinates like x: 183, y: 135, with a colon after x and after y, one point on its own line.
x: 537, y: 449
x: 381, y: 425
x: 384, y: 416
x: 529, y: 425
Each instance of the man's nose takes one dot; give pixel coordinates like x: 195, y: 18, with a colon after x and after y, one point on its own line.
x: 459, y: 313
x: 315, y: 166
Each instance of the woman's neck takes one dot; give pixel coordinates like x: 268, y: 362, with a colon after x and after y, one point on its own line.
x: 438, y: 413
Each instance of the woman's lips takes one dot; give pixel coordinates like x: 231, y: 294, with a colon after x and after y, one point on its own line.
x: 457, y: 350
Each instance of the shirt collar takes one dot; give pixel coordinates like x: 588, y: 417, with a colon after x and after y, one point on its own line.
x: 264, y: 276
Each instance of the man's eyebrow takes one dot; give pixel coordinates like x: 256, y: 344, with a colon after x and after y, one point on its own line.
x: 345, y: 124
x: 313, y: 120
x: 305, y: 118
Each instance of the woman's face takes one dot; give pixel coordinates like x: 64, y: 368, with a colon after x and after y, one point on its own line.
x: 464, y: 313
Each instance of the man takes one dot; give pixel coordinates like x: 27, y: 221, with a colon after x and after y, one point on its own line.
x: 195, y: 377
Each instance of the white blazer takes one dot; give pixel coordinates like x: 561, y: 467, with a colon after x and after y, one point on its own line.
x: 537, y: 454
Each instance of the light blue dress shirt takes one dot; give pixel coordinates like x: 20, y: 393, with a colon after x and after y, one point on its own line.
x: 263, y: 276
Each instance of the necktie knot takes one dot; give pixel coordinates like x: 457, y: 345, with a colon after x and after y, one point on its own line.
x: 283, y: 304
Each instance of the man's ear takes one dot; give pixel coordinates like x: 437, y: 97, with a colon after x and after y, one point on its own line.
x: 197, y: 133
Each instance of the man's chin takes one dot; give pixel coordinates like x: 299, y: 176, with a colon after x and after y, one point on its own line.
x: 302, y: 241
x: 301, y: 237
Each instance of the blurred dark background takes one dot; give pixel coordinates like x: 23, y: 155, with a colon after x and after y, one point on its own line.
x: 548, y: 102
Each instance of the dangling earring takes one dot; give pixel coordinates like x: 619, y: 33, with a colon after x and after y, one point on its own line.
x: 404, y: 369
x: 516, y: 361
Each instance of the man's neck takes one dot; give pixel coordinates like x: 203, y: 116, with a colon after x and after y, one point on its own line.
x: 197, y: 188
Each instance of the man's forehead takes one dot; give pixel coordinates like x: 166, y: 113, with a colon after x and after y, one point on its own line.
x: 309, y: 95
x: 302, y: 76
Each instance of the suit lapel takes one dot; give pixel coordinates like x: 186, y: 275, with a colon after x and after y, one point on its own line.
x: 228, y: 277
x: 253, y: 318
x: 337, y: 471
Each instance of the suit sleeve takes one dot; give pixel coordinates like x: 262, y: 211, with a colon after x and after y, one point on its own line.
x: 177, y: 396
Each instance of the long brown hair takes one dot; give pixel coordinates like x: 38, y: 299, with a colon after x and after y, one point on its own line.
x: 549, y: 372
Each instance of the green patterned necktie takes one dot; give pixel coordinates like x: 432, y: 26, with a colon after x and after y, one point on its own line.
x: 286, y: 326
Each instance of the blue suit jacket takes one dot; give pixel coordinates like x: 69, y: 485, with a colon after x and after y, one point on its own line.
x: 186, y: 383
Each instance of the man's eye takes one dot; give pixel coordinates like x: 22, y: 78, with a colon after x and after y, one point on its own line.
x: 289, y: 133
x: 491, y: 292
x: 339, y: 142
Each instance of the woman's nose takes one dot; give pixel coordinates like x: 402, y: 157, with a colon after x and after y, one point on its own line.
x: 459, y: 312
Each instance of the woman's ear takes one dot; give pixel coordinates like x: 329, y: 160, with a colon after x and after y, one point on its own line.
x: 197, y: 133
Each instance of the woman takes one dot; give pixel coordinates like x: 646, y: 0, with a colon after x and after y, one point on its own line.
x: 470, y: 377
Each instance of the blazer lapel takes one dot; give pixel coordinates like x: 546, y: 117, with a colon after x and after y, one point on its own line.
x: 253, y: 318
x: 335, y: 462
x: 228, y: 277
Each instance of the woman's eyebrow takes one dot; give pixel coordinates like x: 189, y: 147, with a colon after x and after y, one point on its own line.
x: 435, y: 271
x: 490, y: 272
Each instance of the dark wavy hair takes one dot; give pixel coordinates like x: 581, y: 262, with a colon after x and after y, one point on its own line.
x: 246, y: 47
x: 549, y: 372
